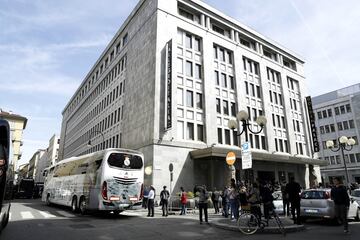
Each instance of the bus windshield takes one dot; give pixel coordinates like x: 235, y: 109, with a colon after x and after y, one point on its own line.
x: 123, y: 160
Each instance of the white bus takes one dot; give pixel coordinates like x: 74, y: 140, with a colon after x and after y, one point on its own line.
x: 107, y: 180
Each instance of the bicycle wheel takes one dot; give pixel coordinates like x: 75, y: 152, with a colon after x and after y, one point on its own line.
x: 248, y: 223
x: 280, y: 225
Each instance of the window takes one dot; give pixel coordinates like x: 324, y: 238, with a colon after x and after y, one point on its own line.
x: 188, y: 41
x: 348, y: 108
x: 351, y: 124
x: 337, y: 111
x: 227, y: 136
x: 223, y: 80
x: 340, y: 126
x: 233, y: 109
x: 222, y: 55
x: 235, y: 139
x: 180, y: 130
x: 289, y: 63
x: 200, y: 132
x: 199, y: 104
x: 189, y: 98
x: 258, y: 91
x: 218, y: 29
x: 215, y: 52
x: 189, y: 70
x: 216, y: 75
x: 342, y: 109
x: 218, y: 107
x: 190, y: 131
x: 225, y: 107
x: 197, y: 71
x: 332, y: 127
x: 125, y: 39
x: 327, y: 129
x: 324, y: 113
x: 346, y: 125
x: 329, y: 111
x: 229, y: 57
x: 352, y: 158
x: 247, y: 88
x: 219, y: 130
x: 186, y: 14
x: 232, y: 83
x: 197, y: 44
x: 257, y: 141
x: 180, y: 97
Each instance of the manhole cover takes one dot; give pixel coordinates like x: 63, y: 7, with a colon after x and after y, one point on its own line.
x: 81, y: 226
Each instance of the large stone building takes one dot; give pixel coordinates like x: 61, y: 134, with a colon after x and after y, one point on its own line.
x: 35, y: 165
x: 168, y: 83
x: 17, y: 125
x: 338, y: 114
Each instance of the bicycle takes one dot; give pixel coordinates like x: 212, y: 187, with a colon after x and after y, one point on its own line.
x: 248, y: 223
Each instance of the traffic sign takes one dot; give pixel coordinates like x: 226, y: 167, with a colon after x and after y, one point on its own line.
x: 246, y: 157
x: 230, y: 158
x: 171, y: 167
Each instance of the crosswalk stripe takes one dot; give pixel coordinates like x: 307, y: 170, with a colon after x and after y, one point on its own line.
x: 65, y: 214
x: 46, y: 214
x: 27, y: 215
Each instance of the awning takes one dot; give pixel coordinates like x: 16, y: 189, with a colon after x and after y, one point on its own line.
x: 257, y: 155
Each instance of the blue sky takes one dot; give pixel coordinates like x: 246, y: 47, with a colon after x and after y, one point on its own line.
x: 47, y: 47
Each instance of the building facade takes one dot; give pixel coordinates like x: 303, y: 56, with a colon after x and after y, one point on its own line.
x: 168, y: 83
x: 338, y: 114
x: 35, y: 164
x: 17, y: 126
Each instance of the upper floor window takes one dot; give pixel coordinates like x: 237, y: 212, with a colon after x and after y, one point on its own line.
x: 189, y: 13
x: 270, y: 53
x: 125, y: 39
x: 289, y: 63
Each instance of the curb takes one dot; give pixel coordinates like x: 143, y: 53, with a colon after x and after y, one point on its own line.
x: 288, y: 229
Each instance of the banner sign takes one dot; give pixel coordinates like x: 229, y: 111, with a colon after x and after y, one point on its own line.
x: 169, y: 85
x: 315, y: 141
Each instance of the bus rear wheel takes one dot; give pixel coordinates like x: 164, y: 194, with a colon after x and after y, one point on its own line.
x: 82, y: 206
x: 74, y: 206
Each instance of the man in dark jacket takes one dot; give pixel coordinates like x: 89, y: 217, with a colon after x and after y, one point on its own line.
x: 341, y: 199
x: 293, y: 190
x: 164, y: 198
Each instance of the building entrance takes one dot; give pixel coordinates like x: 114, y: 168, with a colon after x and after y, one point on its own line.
x: 266, y: 176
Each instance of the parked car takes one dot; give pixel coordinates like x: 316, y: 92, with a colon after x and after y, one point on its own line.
x: 278, y: 202
x: 317, y: 203
x: 356, y: 194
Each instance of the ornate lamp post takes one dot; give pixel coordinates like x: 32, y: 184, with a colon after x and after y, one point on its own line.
x: 91, y: 135
x: 243, y: 117
x: 344, y: 144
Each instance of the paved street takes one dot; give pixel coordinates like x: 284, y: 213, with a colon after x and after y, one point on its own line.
x: 31, y: 219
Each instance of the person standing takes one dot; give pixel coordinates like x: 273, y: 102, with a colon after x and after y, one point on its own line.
x: 285, y: 199
x: 164, y: 198
x: 203, y: 203
x: 183, y: 200
x: 225, y: 201
x: 267, y: 199
x: 341, y: 199
x: 293, y: 190
x: 234, y: 203
x: 215, y: 199
x: 150, y: 205
x: 145, y: 197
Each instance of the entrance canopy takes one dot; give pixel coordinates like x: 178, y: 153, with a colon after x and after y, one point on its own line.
x: 220, y: 151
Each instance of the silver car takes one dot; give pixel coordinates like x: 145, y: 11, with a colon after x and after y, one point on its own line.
x: 356, y: 194
x: 317, y: 203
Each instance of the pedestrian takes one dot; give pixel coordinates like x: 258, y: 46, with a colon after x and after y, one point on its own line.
x: 225, y: 201
x: 285, y: 199
x: 150, y: 205
x: 183, y: 200
x: 164, y: 198
x: 215, y: 199
x: 243, y: 196
x: 293, y: 189
x: 341, y: 199
x: 234, y: 204
x: 203, y: 203
x: 267, y: 199
x: 145, y: 196
x: 254, y: 200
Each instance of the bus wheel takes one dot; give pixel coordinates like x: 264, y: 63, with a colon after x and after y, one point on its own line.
x: 82, y: 205
x: 74, y: 206
x: 48, y: 200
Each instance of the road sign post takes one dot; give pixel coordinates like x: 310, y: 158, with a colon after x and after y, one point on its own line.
x: 171, y: 169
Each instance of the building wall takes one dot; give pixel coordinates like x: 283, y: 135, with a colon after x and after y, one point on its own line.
x: 144, y: 105
x: 337, y: 114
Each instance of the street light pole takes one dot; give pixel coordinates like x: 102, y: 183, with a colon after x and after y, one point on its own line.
x: 344, y: 143
x: 102, y: 135
x: 243, y: 117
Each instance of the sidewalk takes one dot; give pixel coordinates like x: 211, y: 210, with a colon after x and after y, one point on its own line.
x: 226, y: 223
x: 218, y: 221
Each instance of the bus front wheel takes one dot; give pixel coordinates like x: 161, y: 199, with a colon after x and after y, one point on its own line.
x: 82, y: 206
x: 74, y: 206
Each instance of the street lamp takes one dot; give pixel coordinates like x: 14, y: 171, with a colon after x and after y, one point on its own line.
x: 91, y: 134
x: 243, y: 117
x: 344, y: 144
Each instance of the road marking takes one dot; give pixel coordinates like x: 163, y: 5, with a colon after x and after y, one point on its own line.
x: 65, y: 214
x: 10, y: 216
x: 46, y: 214
x: 27, y: 215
